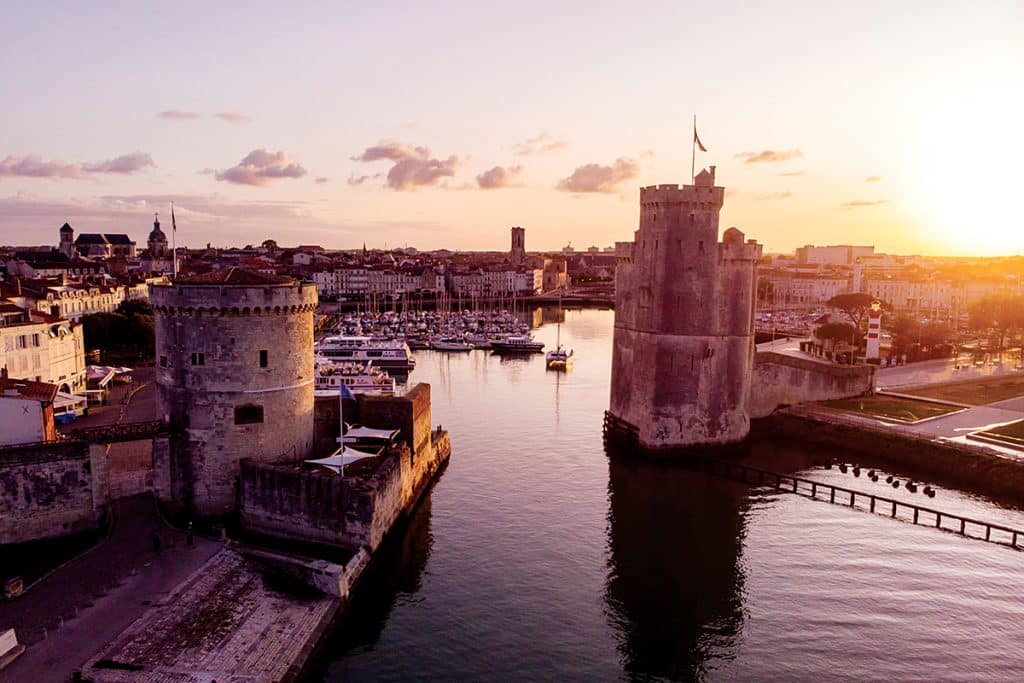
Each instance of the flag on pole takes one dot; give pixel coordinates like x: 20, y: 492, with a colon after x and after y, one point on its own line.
x: 696, y: 141
x: 174, y: 226
x: 346, y: 392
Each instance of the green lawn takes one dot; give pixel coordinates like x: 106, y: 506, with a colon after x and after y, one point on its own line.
x: 1012, y: 434
x: 891, y: 408
x: 977, y: 392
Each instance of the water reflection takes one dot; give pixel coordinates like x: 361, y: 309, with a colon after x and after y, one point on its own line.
x: 675, y: 584
x: 393, y: 578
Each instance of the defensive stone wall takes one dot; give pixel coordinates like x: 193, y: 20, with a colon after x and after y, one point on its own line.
x: 50, y: 490
x: 351, y: 512
x: 784, y: 380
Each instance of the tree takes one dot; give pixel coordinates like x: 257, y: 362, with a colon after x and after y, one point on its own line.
x: 765, y: 289
x: 838, y: 332
x: 855, y: 306
x: 131, y: 307
x: 998, y: 312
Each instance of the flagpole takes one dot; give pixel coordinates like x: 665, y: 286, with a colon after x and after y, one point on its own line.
x: 693, y: 152
x: 174, y: 244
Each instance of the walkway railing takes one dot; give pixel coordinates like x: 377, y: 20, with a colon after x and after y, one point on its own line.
x: 123, y: 431
x: 868, y: 502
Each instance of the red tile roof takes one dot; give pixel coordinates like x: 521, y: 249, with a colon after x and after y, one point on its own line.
x: 234, y: 276
x: 39, y: 391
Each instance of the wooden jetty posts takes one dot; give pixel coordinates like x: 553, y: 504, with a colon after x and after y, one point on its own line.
x: 867, y: 502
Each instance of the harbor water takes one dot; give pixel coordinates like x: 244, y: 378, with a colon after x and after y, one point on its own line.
x: 539, y: 556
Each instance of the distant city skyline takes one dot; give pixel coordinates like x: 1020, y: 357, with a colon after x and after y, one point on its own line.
x: 442, y: 126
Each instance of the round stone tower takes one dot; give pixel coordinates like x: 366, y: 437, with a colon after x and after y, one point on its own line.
x: 683, y: 349
x: 234, y: 372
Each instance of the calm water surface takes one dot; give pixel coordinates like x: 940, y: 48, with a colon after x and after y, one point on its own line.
x: 539, y: 556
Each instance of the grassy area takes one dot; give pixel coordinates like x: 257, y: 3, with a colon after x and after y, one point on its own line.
x: 891, y: 408
x: 1011, y: 434
x: 977, y: 392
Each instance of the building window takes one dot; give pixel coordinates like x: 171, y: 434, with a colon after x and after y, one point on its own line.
x: 263, y: 358
x: 163, y: 361
x: 198, y: 359
x: 248, y: 414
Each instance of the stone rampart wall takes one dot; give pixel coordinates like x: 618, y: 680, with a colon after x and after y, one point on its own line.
x: 784, y: 380
x: 350, y: 512
x: 47, y: 491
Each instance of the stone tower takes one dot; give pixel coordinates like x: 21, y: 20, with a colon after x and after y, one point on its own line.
x: 684, y: 321
x: 157, y: 242
x: 234, y: 357
x: 67, y: 240
x: 517, y: 254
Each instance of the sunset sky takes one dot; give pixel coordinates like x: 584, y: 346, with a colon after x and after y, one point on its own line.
x: 442, y: 124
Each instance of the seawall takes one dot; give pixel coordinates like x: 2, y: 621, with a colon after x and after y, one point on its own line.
x: 785, y: 380
x: 51, y: 489
x: 950, y: 464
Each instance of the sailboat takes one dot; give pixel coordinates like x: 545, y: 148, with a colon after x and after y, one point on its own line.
x: 559, y: 358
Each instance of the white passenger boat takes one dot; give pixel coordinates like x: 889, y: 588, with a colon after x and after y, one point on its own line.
x: 391, y: 355
x: 516, y: 343
x: 360, y: 378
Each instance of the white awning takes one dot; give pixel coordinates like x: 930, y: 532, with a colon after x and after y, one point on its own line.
x: 337, y: 461
x: 359, y: 432
x: 63, y: 399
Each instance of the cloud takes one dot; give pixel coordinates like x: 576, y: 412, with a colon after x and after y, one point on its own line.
x: 412, y: 167
x: 792, y: 173
x: 597, y: 178
x: 260, y: 167
x: 861, y: 202
x: 233, y: 117
x: 33, y: 166
x: 178, y: 115
x: 126, y: 163
x: 539, y: 144
x: 873, y: 179
x: 773, y: 195
x: 320, y: 180
x: 201, y: 218
x: 359, y: 180
x: 770, y: 156
x: 498, y: 177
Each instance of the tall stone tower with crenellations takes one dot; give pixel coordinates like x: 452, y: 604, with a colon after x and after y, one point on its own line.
x: 684, y: 322
x: 234, y: 357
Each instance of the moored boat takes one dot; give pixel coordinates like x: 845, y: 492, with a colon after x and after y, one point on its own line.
x: 516, y: 343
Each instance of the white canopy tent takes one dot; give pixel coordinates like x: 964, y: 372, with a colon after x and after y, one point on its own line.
x: 360, y: 433
x: 336, y: 463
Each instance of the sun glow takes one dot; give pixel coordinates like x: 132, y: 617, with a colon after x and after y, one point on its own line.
x: 968, y: 179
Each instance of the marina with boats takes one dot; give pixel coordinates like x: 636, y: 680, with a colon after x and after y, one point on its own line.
x: 388, y: 339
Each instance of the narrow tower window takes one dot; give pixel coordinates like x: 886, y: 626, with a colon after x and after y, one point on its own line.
x: 263, y: 358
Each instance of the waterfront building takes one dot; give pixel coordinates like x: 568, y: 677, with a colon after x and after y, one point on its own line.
x: 683, y: 349
x: 234, y: 377
x: 836, y: 254
x: 42, y: 348
x: 26, y: 411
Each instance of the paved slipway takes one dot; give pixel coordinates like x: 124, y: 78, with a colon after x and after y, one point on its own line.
x: 98, y: 594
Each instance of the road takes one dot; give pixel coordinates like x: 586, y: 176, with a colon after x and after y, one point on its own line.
x: 86, y: 602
